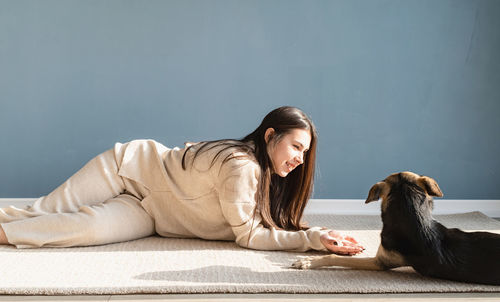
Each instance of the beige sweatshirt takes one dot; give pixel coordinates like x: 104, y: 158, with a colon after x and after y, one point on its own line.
x: 210, y: 202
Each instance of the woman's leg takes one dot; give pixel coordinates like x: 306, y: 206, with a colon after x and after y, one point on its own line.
x: 3, y: 237
x: 118, y: 219
x: 96, y: 182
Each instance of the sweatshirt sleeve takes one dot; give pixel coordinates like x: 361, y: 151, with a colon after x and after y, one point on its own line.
x: 237, y: 187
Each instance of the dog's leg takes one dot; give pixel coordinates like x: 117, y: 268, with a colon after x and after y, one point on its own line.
x: 384, y: 260
x: 368, y: 263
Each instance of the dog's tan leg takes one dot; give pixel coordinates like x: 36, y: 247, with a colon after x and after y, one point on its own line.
x: 368, y: 263
x: 382, y: 261
x: 390, y: 259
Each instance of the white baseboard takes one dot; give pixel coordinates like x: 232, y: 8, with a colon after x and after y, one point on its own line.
x: 490, y: 207
x: 18, y: 202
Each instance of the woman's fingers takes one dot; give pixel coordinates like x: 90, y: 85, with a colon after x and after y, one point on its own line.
x: 353, y: 243
x: 340, y: 244
x: 346, y: 250
x: 351, y: 239
x: 337, y: 248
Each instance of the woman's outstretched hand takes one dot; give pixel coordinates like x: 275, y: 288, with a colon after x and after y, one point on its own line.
x: 340, y: 244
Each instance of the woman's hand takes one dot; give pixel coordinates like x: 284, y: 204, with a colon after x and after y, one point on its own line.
x: 339, y: 244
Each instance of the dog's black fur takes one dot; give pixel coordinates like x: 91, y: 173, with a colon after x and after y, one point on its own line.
x: 428, y: 246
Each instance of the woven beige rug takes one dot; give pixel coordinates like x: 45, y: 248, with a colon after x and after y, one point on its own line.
x: 161, y: 265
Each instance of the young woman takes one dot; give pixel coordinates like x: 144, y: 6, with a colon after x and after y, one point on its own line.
x: 252, y: 191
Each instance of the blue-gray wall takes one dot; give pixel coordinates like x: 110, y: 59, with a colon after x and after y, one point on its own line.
x: 391, y: 85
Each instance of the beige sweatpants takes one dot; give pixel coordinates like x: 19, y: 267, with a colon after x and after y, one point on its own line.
x: 94, y: 206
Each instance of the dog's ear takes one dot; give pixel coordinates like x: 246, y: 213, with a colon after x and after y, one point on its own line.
x: 378, y: 190
x: 430, y: 186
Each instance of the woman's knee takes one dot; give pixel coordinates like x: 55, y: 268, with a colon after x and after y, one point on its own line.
x: 118, y: 219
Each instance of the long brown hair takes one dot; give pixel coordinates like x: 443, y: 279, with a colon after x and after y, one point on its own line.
x: 280, y: 200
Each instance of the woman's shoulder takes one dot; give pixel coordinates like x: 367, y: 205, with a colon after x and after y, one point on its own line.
x: 225, y: 155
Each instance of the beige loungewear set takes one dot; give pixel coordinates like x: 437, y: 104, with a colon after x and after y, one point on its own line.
x: 138, y: 189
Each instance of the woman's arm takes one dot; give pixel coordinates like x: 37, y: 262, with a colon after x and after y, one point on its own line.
x: 256, y: 236
x: 237, y: 186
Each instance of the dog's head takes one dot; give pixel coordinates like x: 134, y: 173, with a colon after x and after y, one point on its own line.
x: 419, y: 184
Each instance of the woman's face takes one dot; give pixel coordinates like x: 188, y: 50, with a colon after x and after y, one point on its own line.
x: 288, y: 153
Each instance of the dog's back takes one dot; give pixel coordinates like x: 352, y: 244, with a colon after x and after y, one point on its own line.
x: 461, y: 256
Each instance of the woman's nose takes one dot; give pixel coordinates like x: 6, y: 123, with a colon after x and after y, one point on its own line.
x: 299, y: 158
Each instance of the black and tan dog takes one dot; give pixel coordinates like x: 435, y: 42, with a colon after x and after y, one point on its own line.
x: 411, y: 237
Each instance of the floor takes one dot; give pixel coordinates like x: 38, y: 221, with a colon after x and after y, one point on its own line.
x: 488, y: 297
x: 266, y: 297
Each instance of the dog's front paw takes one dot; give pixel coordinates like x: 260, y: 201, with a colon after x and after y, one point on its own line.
x: 303, y: 263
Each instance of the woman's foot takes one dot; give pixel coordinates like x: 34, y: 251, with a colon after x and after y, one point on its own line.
x: 3, y: 237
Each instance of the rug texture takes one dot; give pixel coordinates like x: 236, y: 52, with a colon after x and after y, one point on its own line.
x: 163, y: 265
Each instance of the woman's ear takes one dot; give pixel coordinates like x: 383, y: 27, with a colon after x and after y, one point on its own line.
x: 268, y: 134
